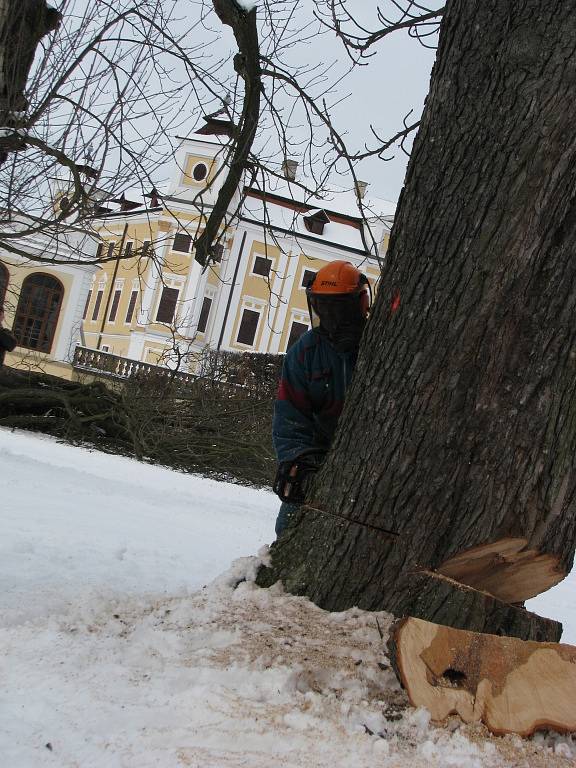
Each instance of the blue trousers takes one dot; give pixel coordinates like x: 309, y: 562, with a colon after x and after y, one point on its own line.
x: 284, y: 516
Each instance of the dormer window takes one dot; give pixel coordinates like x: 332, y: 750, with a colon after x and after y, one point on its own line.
x: 154, y: 198
x: 125, y: 203
x: 315, y: 221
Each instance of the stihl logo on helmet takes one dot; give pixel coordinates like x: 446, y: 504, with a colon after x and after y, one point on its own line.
x: 329, y: 282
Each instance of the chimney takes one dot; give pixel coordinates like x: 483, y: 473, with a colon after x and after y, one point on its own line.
x: 154, y: 198
x: 289, y: 168
x: 361, y: 188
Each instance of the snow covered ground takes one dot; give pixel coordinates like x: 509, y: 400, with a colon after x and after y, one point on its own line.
x: 128, y: 640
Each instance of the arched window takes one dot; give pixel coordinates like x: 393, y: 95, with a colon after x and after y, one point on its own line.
x: 4, y: 277
x: 37, y: 311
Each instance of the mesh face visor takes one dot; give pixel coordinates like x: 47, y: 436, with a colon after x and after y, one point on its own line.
x: 332, y: 311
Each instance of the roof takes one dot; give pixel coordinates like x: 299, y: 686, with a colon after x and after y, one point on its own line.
x: 284, y: 204
x: 207, y: 138
x: 335, y: 233
x: 342, y: 200
x: 275, y: 201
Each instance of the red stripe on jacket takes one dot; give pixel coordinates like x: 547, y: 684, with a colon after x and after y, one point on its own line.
x: 298, y: 398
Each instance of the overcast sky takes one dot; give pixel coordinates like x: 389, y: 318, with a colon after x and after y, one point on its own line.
x: 395, y: 81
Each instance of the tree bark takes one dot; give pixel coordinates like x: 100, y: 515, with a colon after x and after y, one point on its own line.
x: 426, y: 595
x: 455, y: 451
x: 23, y: 23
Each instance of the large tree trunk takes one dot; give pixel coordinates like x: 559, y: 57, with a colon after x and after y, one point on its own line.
x: 456, y: 448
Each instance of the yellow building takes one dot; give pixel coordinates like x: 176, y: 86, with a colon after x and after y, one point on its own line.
x: 42, y: 300
x: 151, y: 301
x: 165, y: 309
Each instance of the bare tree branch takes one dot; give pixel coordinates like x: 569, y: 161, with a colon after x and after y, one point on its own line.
x: 359, y: 41
x: 247, y: 65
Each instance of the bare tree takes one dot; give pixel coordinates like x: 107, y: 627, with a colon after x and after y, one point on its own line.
x: 113, y: 83
x: 360, y: 38
x: 102, y: 103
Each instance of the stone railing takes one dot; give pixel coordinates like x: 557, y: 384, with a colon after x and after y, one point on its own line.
x: 105, y: 364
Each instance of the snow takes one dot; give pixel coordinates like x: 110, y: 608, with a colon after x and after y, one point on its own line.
x: 103, y: 522
x: 341, y: 200
x: 129, y: 639
x: 274, y: 215
x: 336, y: 200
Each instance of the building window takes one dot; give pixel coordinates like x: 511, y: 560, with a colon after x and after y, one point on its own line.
x: 128, y: 249
x: 4, y: 277
x: 114, y: 307
x: 38, y: 311
x: 99, y: 250
x: 104, y: 348
x: 182, y: 242
x: 88, y: 297
x: 204, y: 313
x: 97, y: 303
x: 167, y: 305
x: 131, y: 306
x: 307, y: 277
x: 145, y: 248
x: 200, y: 172
x: 110, y: 253
x: 248, y: 326
x: 296, y: 331
x: 262, y: 266
x: 217, y: 253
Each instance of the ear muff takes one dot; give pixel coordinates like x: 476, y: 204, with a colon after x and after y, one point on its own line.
x: 365, y: 295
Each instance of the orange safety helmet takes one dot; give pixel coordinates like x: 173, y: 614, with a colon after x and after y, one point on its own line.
x: 339, y: 280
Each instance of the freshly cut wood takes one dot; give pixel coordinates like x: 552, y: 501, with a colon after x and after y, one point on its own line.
x: 511, y: 685
x: 507, y: 568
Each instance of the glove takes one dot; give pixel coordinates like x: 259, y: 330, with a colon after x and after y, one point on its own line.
x: 293, y: 477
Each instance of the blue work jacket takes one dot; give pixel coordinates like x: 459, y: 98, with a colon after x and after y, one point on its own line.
x: 315, y: 377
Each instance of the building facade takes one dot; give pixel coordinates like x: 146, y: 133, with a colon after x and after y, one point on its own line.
x: 165, y: 309
x: 43, y: 300
x: 150, y: 301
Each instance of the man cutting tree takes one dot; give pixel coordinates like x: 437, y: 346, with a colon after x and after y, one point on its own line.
x: 315, y: 376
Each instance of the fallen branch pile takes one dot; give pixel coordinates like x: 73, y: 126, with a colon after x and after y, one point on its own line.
x: 207, y: 426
